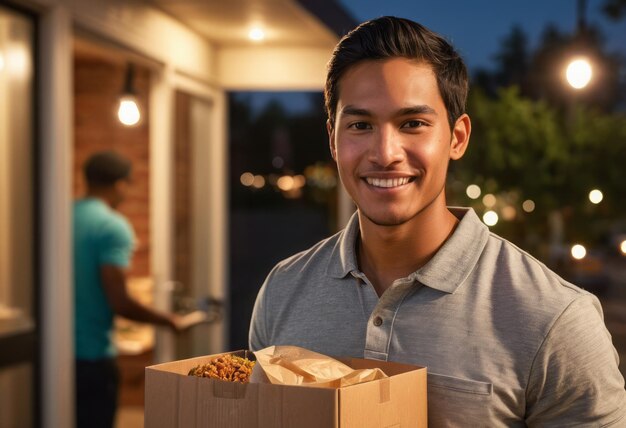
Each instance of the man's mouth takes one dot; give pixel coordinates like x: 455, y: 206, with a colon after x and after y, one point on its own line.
x: 388, y: 182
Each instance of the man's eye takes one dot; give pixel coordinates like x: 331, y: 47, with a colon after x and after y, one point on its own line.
x: 413, y: 124
x: 360, y: 125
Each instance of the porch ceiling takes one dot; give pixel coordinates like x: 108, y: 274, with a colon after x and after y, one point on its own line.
x: 226, y: 23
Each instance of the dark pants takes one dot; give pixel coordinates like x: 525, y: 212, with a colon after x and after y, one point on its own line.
x: 96, y: 393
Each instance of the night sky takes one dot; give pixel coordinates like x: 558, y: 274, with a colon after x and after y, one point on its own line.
x: 475, y: 27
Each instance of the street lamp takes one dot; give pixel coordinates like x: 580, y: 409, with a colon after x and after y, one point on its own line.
x: 579, y: 73
x: 579, y: 70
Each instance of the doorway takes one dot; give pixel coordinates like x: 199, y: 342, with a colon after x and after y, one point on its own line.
x: 19, y: 332
x: 197, y: 235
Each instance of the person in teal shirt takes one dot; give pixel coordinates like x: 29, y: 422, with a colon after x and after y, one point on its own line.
x: 103, y: 247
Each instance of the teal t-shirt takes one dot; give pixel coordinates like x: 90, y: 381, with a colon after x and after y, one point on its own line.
x: 101, y: 237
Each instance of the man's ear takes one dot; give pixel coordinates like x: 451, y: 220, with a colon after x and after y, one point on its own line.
x: 460, y: 137
x: 331, y: 139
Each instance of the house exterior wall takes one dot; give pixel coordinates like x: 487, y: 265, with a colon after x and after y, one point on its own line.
x: 97, y: 86
x: 178, y: 59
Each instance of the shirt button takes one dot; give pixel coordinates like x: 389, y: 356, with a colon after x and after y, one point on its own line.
x: 378, y: 321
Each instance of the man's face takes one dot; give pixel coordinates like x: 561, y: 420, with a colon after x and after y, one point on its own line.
x: 120, y: 191
x: 392, y: 141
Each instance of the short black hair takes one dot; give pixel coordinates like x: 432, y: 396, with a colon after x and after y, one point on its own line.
x: 391, y: 37
x: 105, y: 168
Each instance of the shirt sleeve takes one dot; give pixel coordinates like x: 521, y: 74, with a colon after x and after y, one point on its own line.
x: 258, y: 328
x: 575, y: 378
x: 116, y: 243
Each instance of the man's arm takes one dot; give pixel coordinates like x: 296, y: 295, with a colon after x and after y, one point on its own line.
x: 575, y: 378
x: 114, y: 282
x: 258, y: 336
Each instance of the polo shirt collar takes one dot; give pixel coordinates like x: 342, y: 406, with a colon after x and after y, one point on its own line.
x: 446, y: 271
x: 343, y: 260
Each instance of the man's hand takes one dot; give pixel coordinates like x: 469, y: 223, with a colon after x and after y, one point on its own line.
x: 183, y: 322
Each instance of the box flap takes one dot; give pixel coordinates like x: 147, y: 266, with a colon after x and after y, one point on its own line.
x: 399, y: 400
x: 183, y: 366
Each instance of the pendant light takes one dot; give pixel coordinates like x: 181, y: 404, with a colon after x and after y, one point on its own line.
x: 128, y: 110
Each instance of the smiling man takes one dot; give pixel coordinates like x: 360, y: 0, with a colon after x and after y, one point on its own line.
x: 506, y: 341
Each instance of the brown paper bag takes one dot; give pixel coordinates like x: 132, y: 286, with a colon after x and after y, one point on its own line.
x: 291, y: 365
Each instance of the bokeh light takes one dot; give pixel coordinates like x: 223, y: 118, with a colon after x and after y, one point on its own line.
x: 258, y: 182
x: 489, y: 200
x: 596, y: 196
x: 508, y: 213
x: 256, y: 34
x: 622, y: 247
x: 247, y: 178
x: 278, y: 162
x: 490, y: 218
x: 473, y: 191
x: 578, y: 252
x: 299, y: 181
x: 285, y: 183
x: 528, y: 205
x: 579, y: 73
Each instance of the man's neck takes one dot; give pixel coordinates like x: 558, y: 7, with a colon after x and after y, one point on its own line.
x: 102, y: 194
x: 387, y: 253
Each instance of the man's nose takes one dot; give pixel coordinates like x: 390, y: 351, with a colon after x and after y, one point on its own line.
x: 386, y: 147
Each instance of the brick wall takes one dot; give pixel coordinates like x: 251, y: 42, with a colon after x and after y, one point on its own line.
x: 182, y: 193
x: 98, y: 84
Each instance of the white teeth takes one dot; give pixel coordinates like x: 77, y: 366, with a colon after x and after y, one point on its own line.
x: 387, y: 182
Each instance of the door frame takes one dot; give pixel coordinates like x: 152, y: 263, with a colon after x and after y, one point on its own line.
x: 162, y: 101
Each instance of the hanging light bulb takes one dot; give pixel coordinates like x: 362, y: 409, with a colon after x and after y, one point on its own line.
x: 128, y: 110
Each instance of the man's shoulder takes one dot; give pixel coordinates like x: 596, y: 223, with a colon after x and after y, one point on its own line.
x: 518, y: 268
x: 313, y: 259
x: 100, y: 220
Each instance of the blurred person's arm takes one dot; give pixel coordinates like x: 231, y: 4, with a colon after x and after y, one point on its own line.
x: 114, y: 282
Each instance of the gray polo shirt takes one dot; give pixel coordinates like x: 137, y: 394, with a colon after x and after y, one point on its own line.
x: 506, y: 341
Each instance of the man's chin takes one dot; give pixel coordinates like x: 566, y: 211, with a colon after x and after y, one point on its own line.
x: 386, y: 219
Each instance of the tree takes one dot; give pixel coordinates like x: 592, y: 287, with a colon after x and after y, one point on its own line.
x: 614, y: 9
x: 540, y: 74
x: 525, y: 149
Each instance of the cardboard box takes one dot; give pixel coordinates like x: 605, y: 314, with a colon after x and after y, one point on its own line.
x: 175, y: 400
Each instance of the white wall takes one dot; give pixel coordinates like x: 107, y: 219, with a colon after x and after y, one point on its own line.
x: 56, y: 297
x: 273, y: 68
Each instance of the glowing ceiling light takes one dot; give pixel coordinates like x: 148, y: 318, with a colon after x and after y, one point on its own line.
x: 256, y: 34
x: 578, y: 252
x: 128, y: 111
x: 622, y: 247
x: 579, y: 73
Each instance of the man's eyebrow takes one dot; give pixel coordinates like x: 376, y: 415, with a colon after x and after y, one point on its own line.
x: 418, y: 109
x: 406, y: 111
x: 354, y: 111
